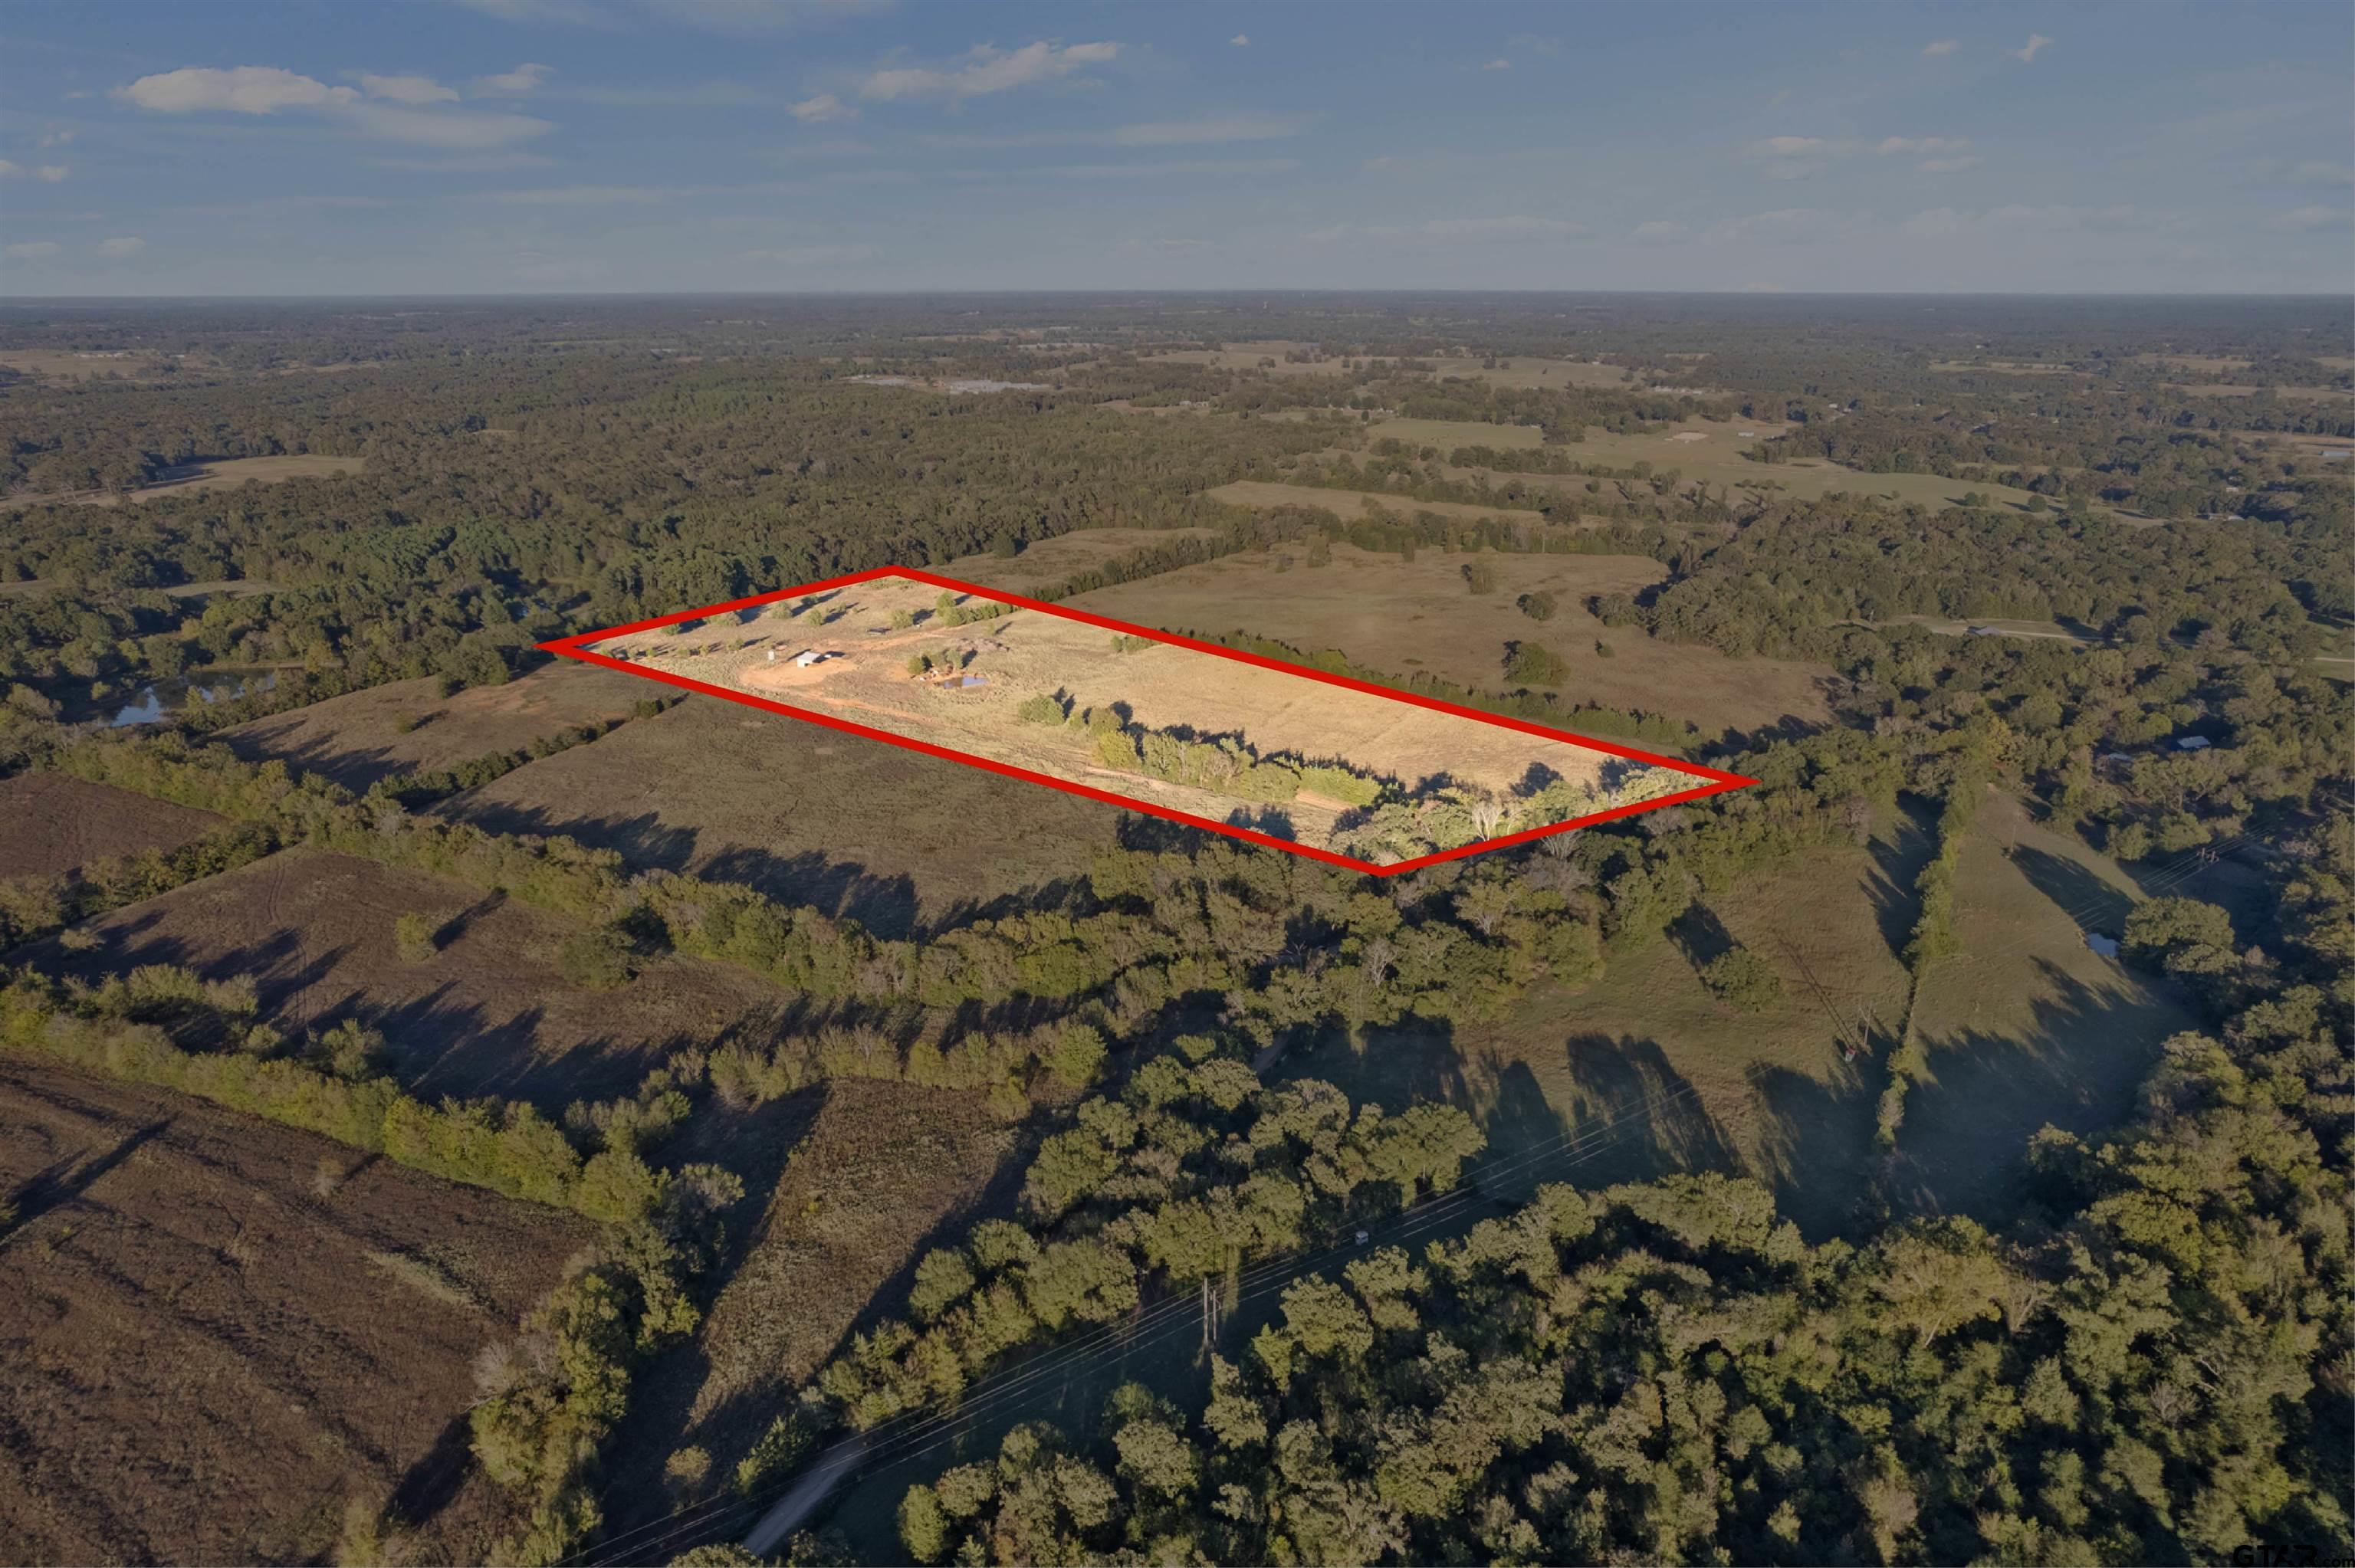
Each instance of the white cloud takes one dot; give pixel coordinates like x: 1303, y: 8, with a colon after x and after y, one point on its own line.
x: 1500, y: 63
x: 51, y: 173
x: 463, y: 163
x: 822, y: 108
x: 1937, y: 48
x: 2312, y: 171
x: 413, y: 89
x: 2037, y: 44
x: 1946, y: 165
x: 1923, y: 145
x: 1795, y: 146
x: 1242, y: 127
x: 266, y: 90
x: 987, y: 70
x: 32, y: 249
x: 9, y: 170
x: 2307, y: 218
x: 812, y: 255
x: 1518, y: 228
x: 1659, y: 231
x: 121, y: 248
x: 54, y: 138
x: 1240, y: 40
x: 578, y: 196
x: 521, y: 82
x: 241, y: 90
x: 1166, y: 166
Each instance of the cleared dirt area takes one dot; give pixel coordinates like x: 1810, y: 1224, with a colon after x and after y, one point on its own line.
x: 887, y: 837
x: 52, y: 823
x: 1645, y: 1072
x: 357, y: 739
x: 885, y: 1171
x: 217, y: 1333
x: 1401, y: 617
x: 862, y: 636
x: 2027, y: 1026
x: 1051, y: 561
x: 488, y: 1014
x: 1347, y: 504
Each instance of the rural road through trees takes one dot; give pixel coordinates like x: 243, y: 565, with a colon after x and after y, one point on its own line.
x: 808, y: 1492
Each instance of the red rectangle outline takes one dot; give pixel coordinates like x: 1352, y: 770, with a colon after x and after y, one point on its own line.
x: 1721, y: 781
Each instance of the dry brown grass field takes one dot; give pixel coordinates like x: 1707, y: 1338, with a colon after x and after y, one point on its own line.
x: 891, y: 838
x: 357, y: 739
x: 68, y: 365
x: 1346, y: 503
x: 1248, y: 355
x: 488, y: 1014
x: 2026, y: 1025
x: 884, y: 1171
x: 1449, y: 434
x: 1403, y: 617
x: 1525, y: 371
x: 216, y: 1333
x: 863, y: 677
x: 52, y: 823
x: 1679, y: 1080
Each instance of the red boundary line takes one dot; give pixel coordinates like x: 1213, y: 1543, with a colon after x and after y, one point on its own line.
x: 1721, y: 781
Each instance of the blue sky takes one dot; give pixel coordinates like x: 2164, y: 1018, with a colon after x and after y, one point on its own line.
x: 485, y: 146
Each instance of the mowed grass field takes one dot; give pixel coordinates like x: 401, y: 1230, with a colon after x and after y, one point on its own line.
x: 488, y: 1014
x: 1401, y: 617
x: 219, y: 1333
x: 889, y: 837
x: 1449, y: 434
x: 357, y: 739
x: 1645, y: 1072
x: 220, y: 473
x: 2026, y: 1025
x: 1347, y: 504
x: 53, y: 823
x: 882, y: 1172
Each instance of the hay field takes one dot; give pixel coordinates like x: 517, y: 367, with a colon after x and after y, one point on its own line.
x: 68, y: 365
x: 887, y: 837
x: 488, y: 1014
x: 219, y: 1331
x: 1699, y: 1085
x: 1347, y: 504
x: 1403, y: 617
x: 53, y: 823
x: 356, y: 739
x: 1525, y: 371
x: 1016, y: 657
x: 2026, y: 1025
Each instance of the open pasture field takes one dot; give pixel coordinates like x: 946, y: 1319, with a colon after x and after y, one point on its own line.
x: 357, y: 738
x: 220, y: 473
x: 890, y: 838
x: 1248, y: 355
x: 884, y: 1171
x: 217, y: 1333
x: 1403, y: 617
x: 1708, y: 453
x: 1646, y: 1071
x: 1449, y: 434
x: 864, y: 634
x: 2295, y: 394
x: 1347, y: 504
x: 71, y: 364
x: 2026, y: 1026
x: 1049, y: 562
x: 488, y: 1014
x: 1524, y: 372
x: 53, y: 823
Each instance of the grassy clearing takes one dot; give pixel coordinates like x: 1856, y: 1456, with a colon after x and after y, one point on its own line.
x: 2026, y: 1025
x: 218, y: 474
x: 1709, y: 1088
x: 1449, y: 434
x: 406, y: 726
x: 70, y: 365
x: 489, y: 1012
x: 1401, y: 617
x: 888, y: 837
x: 1354, y: 503
x: 205, y: 1363
x: 1051, y: 561
x: 1526, y: 372
x: 53, y: 823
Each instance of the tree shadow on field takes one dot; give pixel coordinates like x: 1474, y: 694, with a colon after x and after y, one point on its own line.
x: 1815, y: 1146
x: 1899, y: 853
x: 643, y: 841
x: 63, y: 1180
x: 355, y: 768
x: 2094, y: 903
x: 1701, y: 935
x: 1633, y: 1116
